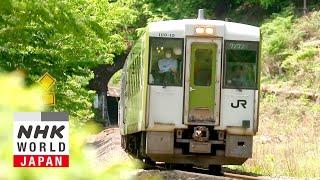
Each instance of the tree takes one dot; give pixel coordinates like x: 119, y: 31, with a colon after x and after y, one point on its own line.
x: 66, y: 39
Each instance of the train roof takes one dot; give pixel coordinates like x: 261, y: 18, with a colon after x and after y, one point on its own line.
x: 185, y: 27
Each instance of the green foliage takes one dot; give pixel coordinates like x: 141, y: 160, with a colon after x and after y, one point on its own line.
x: 244, y: 11
x: 291, y: 48
x: 75, y: 98
x: 115, y: 79
x: 66, y: 39
x: 275, y: 41
x: 180, y: 9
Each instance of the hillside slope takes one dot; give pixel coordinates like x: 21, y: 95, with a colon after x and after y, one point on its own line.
x: 291, y: 52
x: 288, y: 141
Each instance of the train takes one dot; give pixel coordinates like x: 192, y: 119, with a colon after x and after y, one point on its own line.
x: 190, y: 93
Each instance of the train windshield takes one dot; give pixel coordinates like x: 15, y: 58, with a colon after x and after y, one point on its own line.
x: 166, y: 62
x: 241, y: 64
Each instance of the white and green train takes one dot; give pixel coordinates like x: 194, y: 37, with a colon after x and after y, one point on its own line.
x: 190, y: 93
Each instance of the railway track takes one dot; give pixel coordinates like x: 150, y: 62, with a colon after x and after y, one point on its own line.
x: 194, y: 174
x: 200, y: 173
x: 240, y: 176
x: 228, y: 175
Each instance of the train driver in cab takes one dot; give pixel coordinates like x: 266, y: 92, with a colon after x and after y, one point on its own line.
x: 168, y: 67
x: 242, y: 76
x: 238, y: 76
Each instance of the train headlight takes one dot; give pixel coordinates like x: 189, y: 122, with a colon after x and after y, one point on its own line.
x: 209, y: 30
x: 204, y: 30
x: 199, y: 30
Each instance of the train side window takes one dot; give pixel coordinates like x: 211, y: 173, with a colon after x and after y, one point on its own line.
x: 166, y: 61
x: 241, y: 65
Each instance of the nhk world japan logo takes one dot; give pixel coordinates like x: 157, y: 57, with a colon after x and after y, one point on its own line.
x: 41, y: 139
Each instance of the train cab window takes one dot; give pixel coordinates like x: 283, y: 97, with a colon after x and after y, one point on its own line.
x: 241, y: 63
x: 166, y: 62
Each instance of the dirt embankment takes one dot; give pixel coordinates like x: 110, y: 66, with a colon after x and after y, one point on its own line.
x: 107, y: 146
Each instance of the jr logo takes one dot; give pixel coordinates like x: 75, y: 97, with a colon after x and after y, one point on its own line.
x: 240, y: 101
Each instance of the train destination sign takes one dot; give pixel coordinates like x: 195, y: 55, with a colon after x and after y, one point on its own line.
x: 41, y: 139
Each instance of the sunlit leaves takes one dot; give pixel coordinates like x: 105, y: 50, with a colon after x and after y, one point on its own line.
x: 66, y: 39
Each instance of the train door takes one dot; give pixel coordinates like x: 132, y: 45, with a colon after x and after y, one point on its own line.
x: 202, y: 81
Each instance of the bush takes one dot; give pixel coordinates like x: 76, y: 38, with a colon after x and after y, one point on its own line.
x: 290, y: 48
x: 276, y: 40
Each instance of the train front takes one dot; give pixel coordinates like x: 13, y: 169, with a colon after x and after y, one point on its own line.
x: 203, y: 91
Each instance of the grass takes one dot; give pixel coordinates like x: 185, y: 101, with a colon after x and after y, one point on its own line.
x: 288, y: 141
